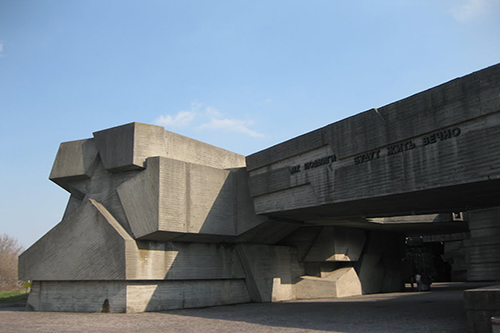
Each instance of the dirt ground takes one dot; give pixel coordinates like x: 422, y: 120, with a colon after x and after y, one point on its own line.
x: 441, y: 310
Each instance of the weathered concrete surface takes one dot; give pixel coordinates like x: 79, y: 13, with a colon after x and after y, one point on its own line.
x: 134, y: 296
x: 481, y: 304
x: 272, y: 271
x: 75, y: 160
x: 127, y: 147
x: 87, y: 245
x: 336, y: 244
x: 172, y: 222
x: 171, y: 198
x: 134, y: 189
x: 436, y: 151
x: 342, y: 282
x: 375, y: 255
x: 482, y: 250
x: 73, y: 296
x: 380, y: 265
x: 159, y: 185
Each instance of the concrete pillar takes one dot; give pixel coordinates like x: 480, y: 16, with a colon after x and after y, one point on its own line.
x: 482, y: 250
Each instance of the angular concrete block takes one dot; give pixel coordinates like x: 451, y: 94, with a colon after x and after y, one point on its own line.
x: 481, y: 304
x: 171, y: 196
x: 88, y: 245
x: 117, y: 147
x: 128, y: 146
x: 337, y: 244
x: 271, y: 271
x: 185, y: 149
x: 185, y: 261
x: 140, y: 199
x: 74, y: 160
x: 211, y: 201
x: 342, y: 282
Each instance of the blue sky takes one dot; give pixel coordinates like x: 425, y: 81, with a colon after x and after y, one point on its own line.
x: 242, y: 75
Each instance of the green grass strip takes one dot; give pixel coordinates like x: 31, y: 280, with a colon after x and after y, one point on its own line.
x: 14, y: 297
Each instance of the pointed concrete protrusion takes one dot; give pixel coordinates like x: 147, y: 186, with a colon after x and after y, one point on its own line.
x: 75, y: 161
x: 342, y: 282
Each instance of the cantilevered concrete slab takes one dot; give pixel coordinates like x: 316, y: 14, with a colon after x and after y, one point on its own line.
x: 436, y: 151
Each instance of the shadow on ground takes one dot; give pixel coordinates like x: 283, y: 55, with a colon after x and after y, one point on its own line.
x: 440, y: 310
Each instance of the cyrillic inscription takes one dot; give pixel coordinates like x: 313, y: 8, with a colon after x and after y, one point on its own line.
x: 319, y: 162
x: 373, y: 155
x: 367, y: 157
x: 441, y: 136
x: 327, y: 160
x: 400, y: 147
x: 294, y: 169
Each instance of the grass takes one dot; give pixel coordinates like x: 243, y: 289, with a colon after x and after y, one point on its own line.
x: 13, y: 298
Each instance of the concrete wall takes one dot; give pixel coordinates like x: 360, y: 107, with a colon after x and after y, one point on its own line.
x: 481, y: 304
x: 77, y: 296
x: 185, y: 261
x: 167, y: 295
x: 87, y: 245
x: 271, y: 271
x: 482, y: 250
x: 435, y: 151
x: 133, y: 296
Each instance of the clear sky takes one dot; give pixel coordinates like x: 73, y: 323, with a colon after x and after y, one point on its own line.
x: 241, y: 75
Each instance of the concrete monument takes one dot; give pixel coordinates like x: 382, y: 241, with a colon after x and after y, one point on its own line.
x: 159, y: 221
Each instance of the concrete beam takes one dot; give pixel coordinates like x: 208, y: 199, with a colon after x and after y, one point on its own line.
x: 436, y: 151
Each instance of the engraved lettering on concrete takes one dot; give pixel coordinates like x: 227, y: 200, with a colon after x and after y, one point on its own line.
x: 400, y: 147
x: 320, y: 161
x: 294, y: 169
x: 441, y: 136
x: 367, y: 157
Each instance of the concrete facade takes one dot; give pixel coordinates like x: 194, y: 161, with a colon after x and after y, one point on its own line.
x: 436, y: 151
x: 158, y: 221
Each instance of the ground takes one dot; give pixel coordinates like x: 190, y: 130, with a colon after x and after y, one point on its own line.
x: 441, y: 310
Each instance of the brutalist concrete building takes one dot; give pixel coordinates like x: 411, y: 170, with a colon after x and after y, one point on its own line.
x: 160, y: 221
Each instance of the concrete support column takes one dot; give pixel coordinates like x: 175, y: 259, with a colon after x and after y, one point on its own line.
x: 482, y: 250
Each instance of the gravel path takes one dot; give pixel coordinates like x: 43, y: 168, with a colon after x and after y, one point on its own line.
x: 440, y: 310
